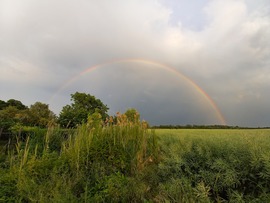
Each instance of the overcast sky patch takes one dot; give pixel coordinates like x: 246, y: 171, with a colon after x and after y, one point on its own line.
x: 222, y: 45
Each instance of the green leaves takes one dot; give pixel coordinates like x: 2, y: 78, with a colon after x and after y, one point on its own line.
x: 82, y: 106
x: 14, y: 114
x: 40, y: 115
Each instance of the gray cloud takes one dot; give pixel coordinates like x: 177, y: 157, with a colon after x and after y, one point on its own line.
x: 225, y: 50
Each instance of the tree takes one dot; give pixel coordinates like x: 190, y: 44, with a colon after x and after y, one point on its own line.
x: 8, y: 118
x: 12, y: 112
x: 82, y: 105
x: 16, y: 103
x: 40, y: 115
x: 3, y: 104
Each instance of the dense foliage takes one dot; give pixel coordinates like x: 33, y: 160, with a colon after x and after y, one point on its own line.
x: 14, y: 114
x: 82, y: 106
x: 12, y: 102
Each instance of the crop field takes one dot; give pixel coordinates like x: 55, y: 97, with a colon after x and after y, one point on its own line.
x: 216, y: 165
x: 125, y: 162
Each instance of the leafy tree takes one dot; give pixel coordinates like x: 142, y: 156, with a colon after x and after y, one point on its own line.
x: 12, y: 113
x: 40, y: 115
x: 3, y: 104
x: 82, y: 105
x: 8, y: 118
x: 15, y: 113
x: 16, y: 103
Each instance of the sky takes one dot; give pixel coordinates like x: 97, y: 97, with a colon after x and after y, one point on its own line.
x: 176, y: 61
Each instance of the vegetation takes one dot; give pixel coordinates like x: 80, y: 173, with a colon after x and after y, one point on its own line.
x: 12, y: 102
x: 124, y: 162
x: 82, y: 106
x: 215, y: 165
x: 97, y: 162
x: 15, y: 115
x: 204, y: 127
x: 119, y: 159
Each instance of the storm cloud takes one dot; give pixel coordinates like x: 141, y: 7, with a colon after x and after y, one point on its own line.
x: 222, y: 45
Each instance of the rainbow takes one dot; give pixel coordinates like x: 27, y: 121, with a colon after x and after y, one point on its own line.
x: 154, y: 63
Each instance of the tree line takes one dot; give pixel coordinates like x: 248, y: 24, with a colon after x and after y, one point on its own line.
x: 14, y: 114
x: 188, y: 126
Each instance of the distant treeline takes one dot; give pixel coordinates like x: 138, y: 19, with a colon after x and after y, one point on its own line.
x: 204, y: 127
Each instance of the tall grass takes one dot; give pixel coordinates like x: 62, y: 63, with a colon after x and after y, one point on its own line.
x: 93, y: 164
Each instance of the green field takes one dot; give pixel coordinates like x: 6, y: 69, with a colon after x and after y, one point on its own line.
x: 225, y: 165
x: 127, y: 163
